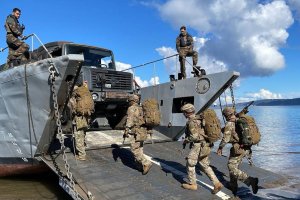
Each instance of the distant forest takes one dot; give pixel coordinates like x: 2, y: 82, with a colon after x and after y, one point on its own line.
x: 276, y: 102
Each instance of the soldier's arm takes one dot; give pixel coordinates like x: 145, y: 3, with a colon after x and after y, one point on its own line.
x: 178, y: 44
x: 226, y: 135
x: 193, y: 127
x: 191, y: 41
x: 13, y: 27
x: 130, y: 116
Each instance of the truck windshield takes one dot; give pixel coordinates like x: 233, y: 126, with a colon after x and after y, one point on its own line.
x: 93, y: 57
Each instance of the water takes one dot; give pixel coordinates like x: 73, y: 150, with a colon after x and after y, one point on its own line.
x: 279, y: 148
x: 278, y: 151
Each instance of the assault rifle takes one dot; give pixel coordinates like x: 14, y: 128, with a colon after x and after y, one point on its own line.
x: 244, y: 110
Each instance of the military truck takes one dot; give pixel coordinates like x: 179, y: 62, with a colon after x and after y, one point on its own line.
x: 110, y: 88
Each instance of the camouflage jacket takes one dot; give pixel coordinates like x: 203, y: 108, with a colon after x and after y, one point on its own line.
x: 134, y: 116
x: 229, y: 135
x: 194, y: 131
x: 12, y: 26
x: 184, y: 41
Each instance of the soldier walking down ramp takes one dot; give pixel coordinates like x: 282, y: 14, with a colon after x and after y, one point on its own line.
x: 200, y: 150
x: 237, y: 153
x: 184, y: 46
x: 18, y: 49
x: 137, y: 132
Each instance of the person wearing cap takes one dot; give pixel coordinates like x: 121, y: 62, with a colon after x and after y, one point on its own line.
x: 184, y: 46
x: 136, y: 132
x: 200, y: 150
x: 237, y: 153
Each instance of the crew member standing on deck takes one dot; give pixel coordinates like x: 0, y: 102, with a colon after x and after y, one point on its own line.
x: 237, y: 153
x: 184, y: 46
x: 200, y: 150
x: 18, y: 49
x: 137, y: 132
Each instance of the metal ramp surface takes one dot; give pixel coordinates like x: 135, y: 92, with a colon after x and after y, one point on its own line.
x: 110, y: 173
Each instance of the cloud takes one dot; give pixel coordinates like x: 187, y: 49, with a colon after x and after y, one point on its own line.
x: 243, y: 35
x: 263, y: 94
x: 142, y: 83
x: 295, y: 6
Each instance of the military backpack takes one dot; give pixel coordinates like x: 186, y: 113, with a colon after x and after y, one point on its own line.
x: 212, y: 125
x: 84, y: 101
x: 247, y: 130
x: 151, y: 113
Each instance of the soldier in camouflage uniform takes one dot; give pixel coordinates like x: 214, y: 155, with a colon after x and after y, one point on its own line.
x: 18, y: 49
x: 137, y: 132
x: 237, y: 153
x: 200, y: 150
x: 184, y: 46
x: 80, y: 123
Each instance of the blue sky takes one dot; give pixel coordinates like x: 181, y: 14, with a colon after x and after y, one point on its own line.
x: 260, y: 39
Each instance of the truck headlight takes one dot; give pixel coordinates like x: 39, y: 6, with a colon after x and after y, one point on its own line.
x: 95, y: 96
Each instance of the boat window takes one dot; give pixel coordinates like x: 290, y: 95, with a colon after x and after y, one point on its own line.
x: 179, y: 102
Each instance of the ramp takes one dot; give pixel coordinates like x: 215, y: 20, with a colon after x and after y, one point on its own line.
x: 111, y: 173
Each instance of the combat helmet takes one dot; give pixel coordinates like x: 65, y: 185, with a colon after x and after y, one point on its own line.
x: 188, y: 108
x: 134, y: 98
x: 228, y: 111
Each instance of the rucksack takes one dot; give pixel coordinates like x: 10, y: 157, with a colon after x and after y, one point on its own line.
x: 84, y: 101
x: 252, y: 135
x: 212, y: 125
x: 151, y: 113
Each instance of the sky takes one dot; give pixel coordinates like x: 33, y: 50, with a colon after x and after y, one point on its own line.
x: 258, y: 38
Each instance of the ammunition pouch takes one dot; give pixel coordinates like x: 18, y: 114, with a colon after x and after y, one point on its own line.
x: 236, y: 150
x: 140, y: 134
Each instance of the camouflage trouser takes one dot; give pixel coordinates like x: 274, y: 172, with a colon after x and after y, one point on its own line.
x: 183, y: 53
x: 235, y: 159
x: 200, y: 153
x: 137, y: 150
x: 79, y: 142
x: 17, y: 48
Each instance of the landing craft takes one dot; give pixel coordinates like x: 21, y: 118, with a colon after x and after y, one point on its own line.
x: 29, y: 120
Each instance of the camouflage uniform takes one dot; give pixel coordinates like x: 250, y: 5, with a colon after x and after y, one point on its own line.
x: 237, y: 153
x: 134, y: 123
x: 18, y: 50
x: 184, y: 46
x: 200, y: 151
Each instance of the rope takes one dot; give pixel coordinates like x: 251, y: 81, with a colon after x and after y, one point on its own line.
x: 149, y: 62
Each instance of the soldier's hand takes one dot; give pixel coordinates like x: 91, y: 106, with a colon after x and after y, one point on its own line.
x: 219, y: 152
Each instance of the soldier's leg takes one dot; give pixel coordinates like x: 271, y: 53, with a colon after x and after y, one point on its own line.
x: 182, y: 56
x: 137, y: 150
x: 79, y: 144
x: 190, y: 168
x: 204, y: 163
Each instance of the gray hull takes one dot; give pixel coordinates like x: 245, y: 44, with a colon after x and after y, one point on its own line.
x: 201, y: 92
x: 25, y: 95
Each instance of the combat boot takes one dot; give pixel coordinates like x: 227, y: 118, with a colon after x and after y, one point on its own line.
x: 217, y: 188
x: 233, y: 188
x: 189, y: 186
x: 253, y: 182
x: 146, y: 168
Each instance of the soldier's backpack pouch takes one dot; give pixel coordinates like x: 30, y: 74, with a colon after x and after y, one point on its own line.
x: 140, y: 134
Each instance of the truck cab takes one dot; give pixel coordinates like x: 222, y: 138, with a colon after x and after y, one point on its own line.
x: 110, y: 88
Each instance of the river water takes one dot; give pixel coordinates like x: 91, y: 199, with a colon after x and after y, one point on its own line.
x: 278, y: 151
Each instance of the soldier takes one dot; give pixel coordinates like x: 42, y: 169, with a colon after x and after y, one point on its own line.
x: 237, y: 153
x: 199, y: 152
x: 80, y: 117
x: 137, y: 132
x: 184, y: 46
x: 18, y: 49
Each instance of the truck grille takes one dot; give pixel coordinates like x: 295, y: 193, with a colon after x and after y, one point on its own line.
x: 111, y: 80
